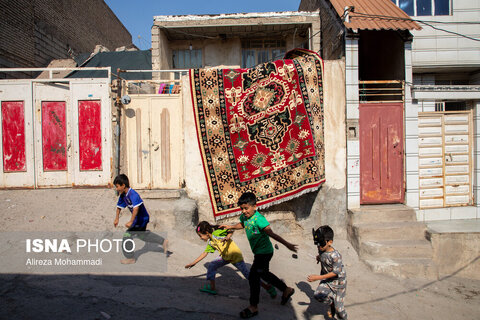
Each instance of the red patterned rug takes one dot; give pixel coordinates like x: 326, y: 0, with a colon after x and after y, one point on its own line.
x: 261, y: 130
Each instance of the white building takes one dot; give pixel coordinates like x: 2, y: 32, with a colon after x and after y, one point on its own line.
x: 443, y: 176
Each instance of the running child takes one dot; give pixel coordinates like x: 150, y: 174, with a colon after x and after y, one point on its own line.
x: 220, y: 240
x: 333, y: 279
x: 259, y: 233
x: 137, y: 225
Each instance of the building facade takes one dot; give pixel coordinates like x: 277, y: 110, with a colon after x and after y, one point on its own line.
x: 243, y: 41
x: 444, y: 173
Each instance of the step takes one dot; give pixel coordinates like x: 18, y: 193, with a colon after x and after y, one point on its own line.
x: 171, y: 214
x: 161, y: 194
x: 389, y: 231
x: 396, y: 249
x: 404, y: 267
x: 384, y: 213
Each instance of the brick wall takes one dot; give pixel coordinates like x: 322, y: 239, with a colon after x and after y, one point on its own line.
x: 33, y: 32
x: 332, y: 34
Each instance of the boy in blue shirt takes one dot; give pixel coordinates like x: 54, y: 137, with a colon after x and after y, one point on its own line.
x: 137, y: 225
x: 259, y: 233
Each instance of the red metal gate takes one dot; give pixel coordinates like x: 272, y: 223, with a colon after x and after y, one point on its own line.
x: 381, y: 153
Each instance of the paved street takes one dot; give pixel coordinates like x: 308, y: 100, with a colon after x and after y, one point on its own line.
x: 174, y: 294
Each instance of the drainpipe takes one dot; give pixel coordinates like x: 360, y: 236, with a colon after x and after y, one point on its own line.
x: 118, y: 104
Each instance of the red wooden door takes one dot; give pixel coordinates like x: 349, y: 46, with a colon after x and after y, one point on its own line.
x: 381, y: 153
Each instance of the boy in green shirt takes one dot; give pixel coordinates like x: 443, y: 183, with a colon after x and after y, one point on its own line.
x: 258, y: 233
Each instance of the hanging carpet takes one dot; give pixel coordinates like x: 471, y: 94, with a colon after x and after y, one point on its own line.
x: 261, y: 130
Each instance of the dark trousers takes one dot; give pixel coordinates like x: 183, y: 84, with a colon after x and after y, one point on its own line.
x: 260, y: 270
x: 140, y: 233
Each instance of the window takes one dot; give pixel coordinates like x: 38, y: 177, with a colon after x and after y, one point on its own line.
x: 407, y: 6
x: 442, y: 7
x: 259, y: 51
x: 187, y: 59
x: 424, y: 7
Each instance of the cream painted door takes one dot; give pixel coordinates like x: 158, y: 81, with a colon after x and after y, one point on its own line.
x: 445, y: 159
x: 154, y: 141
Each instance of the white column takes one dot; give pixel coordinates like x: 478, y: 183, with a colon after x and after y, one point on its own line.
x: 411, y: 135
x: 353, y: 145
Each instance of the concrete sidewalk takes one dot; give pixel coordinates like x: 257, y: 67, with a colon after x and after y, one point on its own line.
x: 174, y: 294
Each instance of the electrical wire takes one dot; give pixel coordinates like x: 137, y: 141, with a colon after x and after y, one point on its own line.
x: 429, y: 23
x: 410, y: 19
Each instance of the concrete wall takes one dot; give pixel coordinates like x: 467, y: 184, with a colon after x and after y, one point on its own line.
x: 227, y: 51
x: 328, y: 205
x: 457, y: 254
x: 160, y: 50
x: 214, y: 52
x: 35, y: 32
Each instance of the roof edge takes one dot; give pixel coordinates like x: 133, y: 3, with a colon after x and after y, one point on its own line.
x: 279, y: 14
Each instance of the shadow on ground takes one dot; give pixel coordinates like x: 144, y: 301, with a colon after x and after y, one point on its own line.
x: 130, y: 297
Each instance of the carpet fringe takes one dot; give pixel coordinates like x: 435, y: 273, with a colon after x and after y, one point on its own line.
x: 266, y: 205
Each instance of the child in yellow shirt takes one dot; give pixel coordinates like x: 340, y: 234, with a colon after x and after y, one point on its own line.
x: 219, y: 239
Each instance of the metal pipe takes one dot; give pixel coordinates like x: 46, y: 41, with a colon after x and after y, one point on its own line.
x: 118, y: 104
x: 174, y: 70
x: 51, y: 69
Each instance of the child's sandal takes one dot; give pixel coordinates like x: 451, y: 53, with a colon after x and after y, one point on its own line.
x: 287, y: 297
x: 247, y: 313
x: 272, y: 292
x: 208, y: 289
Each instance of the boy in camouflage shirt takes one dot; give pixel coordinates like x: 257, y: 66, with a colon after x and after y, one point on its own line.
x: 333, y: 279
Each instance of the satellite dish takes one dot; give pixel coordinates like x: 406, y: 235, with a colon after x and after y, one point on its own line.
x: 126, y: 99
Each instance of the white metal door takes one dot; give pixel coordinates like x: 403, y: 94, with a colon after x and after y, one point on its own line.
x: 16, y: 143
x: 53, y: 135
x: 92, y: 134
